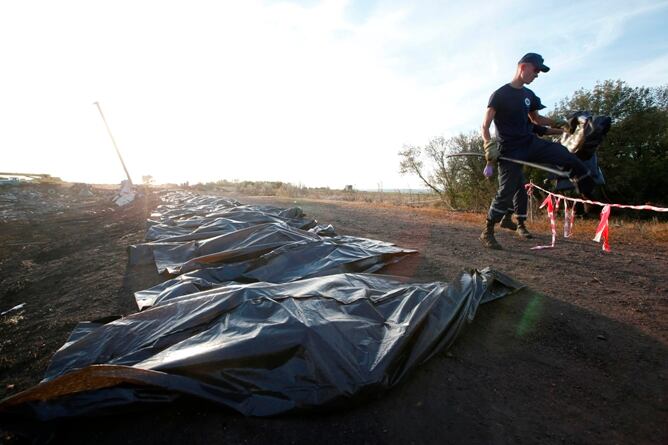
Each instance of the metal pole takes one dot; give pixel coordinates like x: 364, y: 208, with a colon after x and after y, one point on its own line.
x: 554, y: 171
x: 531, y: 208
x: 113, y: 142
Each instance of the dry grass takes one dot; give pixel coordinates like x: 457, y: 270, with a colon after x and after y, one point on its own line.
x: 12, y: 320
x: 622, y: 230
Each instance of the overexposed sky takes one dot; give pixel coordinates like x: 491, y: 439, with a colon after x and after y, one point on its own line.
x: 320, y: 93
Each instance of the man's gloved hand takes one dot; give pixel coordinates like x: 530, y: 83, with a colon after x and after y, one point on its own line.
x: 489, y: 170
x: 491, y: 150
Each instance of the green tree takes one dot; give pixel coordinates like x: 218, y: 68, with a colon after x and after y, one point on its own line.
x: 458, y: 181
x: 634, y: 155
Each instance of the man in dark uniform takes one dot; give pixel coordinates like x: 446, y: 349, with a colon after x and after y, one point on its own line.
x: 514, y: 111
x: 520, y: 198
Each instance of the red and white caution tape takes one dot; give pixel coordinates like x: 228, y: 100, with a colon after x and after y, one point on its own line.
x: 553, y: 223
x: 602, y: 231
x: 569, y: 219
x: 603, y: 204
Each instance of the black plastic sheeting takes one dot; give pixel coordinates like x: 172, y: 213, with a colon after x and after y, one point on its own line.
x: 261, y: 349
x: 585, y: 133
x: 214, y: 225
x: 314, y: 254
x: 181, y: 204
x: 187, y: 218
x: 179, y: 257
x: 563, y: 184
x: 270, y: 315
x: 290, y: 262
x: 310, y: 251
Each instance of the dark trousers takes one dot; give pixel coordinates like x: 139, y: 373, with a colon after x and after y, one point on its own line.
x: 511, y: 177
x: 520, y: 200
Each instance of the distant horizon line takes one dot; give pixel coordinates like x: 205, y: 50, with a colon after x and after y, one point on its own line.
x: 30, y: 177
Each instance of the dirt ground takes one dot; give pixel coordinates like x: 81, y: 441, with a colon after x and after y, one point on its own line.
x: 580, y: 356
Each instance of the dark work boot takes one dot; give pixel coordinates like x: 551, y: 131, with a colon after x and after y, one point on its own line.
x: 487, y: 237
x: 507, y: 222
x: 522, y: 231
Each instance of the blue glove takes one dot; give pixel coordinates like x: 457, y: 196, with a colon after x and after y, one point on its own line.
x: 488, y: 171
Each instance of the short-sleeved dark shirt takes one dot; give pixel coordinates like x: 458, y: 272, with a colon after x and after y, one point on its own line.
x: 511, y: 119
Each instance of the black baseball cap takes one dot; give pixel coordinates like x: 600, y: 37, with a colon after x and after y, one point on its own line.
x: 536, y: 60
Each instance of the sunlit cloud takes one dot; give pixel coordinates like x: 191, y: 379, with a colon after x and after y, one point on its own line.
x: 318, y: 93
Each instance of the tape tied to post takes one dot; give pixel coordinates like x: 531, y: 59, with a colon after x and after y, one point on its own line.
x: 603, y: 229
